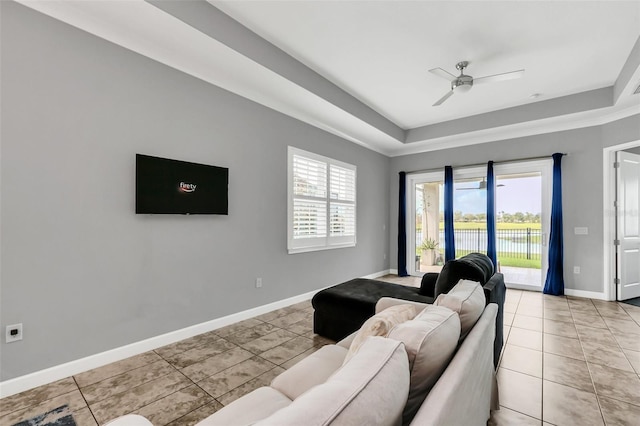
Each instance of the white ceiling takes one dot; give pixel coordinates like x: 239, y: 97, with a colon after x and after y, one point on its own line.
x: 359, y: 69
x: 380, y: 51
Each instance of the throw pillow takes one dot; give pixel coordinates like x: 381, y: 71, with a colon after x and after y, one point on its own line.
x: 430, y: 341
x: 379, y: 325
x: 468, y: 300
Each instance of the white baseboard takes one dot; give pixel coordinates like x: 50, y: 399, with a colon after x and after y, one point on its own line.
x: 393, y: 271
x: 58, y: 372
x: 42, y: 377
x: 586, y: 294
x: 567, y: 291
x: 378, y: 274
x: 524, y: 287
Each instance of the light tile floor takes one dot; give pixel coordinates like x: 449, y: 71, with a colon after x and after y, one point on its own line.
x: 566, y: 361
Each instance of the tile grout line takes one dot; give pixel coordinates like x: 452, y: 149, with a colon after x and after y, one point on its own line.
x: 593, y: 383
x: 502, y: 354
x: 242, y: 384
x: 178, y: 390
x: 625, y: 356
x: 85, y: 399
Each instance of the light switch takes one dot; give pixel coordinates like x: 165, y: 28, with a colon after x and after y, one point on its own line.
x: 581, y: 230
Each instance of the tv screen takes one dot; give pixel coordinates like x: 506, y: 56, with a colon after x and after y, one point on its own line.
x: 166, y: 186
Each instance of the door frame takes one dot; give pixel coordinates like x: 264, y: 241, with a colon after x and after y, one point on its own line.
x: 545, y: 168
x: 609, y: 217
x: 412, y: 179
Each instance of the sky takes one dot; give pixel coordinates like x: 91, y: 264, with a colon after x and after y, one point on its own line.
x: 517, y: 195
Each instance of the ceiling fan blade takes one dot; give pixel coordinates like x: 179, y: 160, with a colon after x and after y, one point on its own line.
x: 444, y: 98
x: 442, y: 73
x: 499, y: 77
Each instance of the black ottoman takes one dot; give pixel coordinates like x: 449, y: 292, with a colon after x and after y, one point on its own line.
x: 342, y: 309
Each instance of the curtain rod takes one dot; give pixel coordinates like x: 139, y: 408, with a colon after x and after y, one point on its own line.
x: 484, y: 164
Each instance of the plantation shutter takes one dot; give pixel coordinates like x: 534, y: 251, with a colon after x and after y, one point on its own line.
x: 322, y: 202
x: 309, y: 198
x: 342, y: 209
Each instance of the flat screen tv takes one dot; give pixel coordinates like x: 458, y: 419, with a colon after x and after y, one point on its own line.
x: 165, y: 186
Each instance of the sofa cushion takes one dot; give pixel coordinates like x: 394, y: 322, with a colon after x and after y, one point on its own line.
x: 252, y: 407
x: 468, y: 300
x: 371, y: 389
x: 380, y: 324
x: 474, y: 267
x: 311, y: 371
x: 430, y: 341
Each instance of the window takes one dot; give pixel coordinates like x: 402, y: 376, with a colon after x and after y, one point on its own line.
x: 321, y: 202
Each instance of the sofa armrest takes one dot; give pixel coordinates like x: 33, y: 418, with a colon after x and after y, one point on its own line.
x: 387, y: 302
x: 428, y: 284
x: 251, y: 408
x: 346, y: 342
x: 495, y: 292
x: 370, y: 389
x: 311, y: 371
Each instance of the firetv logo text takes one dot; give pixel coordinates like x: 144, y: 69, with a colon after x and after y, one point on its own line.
x: 187, y: 187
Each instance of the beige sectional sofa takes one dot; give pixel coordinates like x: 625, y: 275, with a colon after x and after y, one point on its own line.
x: 434, y: 369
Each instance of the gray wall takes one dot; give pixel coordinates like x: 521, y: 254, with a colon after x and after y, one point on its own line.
x: 582, y: 188
x: 80, y: 269
x: 621, y: 131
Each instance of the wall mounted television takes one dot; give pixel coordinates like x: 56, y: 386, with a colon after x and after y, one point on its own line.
x: 165, y: 186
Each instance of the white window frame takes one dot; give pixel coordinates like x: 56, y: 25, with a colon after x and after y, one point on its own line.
x: 302, y: 245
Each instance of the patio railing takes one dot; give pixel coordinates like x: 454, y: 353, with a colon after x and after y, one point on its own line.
x: 516, y: 243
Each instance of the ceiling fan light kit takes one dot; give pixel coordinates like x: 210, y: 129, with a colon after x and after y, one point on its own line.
x: 463, y: 83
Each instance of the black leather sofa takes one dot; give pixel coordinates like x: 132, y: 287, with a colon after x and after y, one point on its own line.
x: 342, y: 309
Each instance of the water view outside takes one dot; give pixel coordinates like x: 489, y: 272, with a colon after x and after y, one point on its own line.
x: 518, y: 224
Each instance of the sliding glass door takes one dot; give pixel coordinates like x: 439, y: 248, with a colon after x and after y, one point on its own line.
x: 523, y: 202
x: 523, y: 212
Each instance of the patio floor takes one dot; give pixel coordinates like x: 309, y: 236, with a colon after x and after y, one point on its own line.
x: 522, y: 276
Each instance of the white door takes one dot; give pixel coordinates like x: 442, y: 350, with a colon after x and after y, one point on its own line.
x: 628, y: 225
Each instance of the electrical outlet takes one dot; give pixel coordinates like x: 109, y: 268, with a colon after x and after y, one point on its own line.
x: 576, y: 269
x: 258, y: 282
x: 14, y: 333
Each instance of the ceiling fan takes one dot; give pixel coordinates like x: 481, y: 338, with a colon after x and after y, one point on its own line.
x: 463, y: 83
x: 481, y: 185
